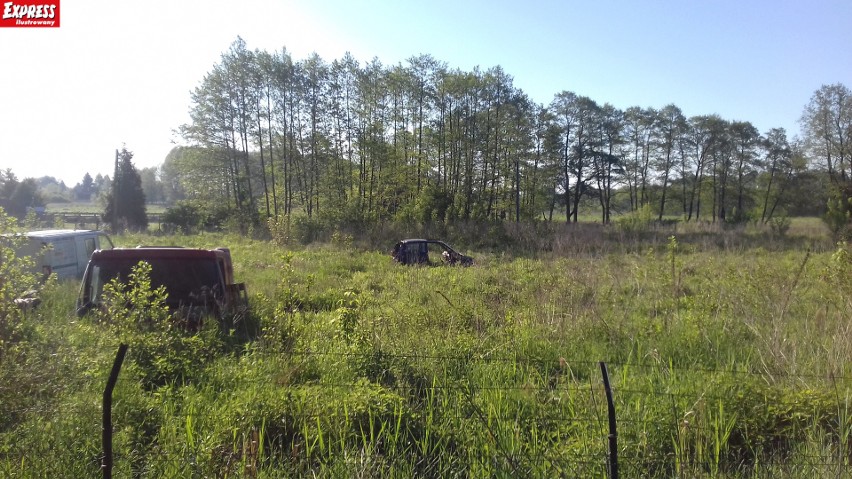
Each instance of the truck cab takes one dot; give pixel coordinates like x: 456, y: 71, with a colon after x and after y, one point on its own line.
x: 192, y: 277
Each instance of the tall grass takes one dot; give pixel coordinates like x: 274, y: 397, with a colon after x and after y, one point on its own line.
x: 725, y: 362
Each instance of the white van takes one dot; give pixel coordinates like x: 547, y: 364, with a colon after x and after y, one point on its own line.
x: 64, y: 252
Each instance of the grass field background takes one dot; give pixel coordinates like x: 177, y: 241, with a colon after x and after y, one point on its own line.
x: 728, y: 351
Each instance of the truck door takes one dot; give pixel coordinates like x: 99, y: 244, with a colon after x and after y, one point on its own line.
x: 86, y: 245
x: 62, y: 258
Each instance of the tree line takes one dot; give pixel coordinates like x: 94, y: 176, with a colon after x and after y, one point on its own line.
x: 421, y: 141
x: 17, y: 195
x: 123, y: 197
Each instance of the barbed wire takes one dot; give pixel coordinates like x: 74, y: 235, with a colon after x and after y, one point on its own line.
x: 565, y: 362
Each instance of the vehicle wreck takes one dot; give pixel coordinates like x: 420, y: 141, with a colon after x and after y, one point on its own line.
x: 195, y: 280
x: 417, y: 251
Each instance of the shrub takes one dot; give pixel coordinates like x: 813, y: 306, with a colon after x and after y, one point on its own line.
x: 779, y: 225
x: 184, y: 215
x: 307, y: 229
x: 279, y: 229
x: 838, y: 217
x: 162, y: 347
x: 17, y: 279
x: 341, y: 240
x: 638, y: 221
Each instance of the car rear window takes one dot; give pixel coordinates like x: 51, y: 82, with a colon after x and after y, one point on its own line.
x: 182, y: 278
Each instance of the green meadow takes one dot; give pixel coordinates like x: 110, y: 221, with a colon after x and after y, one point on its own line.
x: 728, y: 350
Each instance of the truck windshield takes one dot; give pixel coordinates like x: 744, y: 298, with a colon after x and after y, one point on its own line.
x: 185, y: 280
x: 106, y: 243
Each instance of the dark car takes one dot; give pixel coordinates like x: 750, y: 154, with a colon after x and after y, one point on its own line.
x: 417, y: 251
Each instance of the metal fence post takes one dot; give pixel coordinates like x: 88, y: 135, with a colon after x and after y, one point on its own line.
x: 106, y: 437
x: 613, y: 433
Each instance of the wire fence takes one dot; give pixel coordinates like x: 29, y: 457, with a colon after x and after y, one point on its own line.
x: 483, y: 416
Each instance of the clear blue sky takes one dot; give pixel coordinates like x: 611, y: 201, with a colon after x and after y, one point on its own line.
x: 119, y: 73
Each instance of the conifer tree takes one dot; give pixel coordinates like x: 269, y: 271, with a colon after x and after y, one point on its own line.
x: 125, y: 203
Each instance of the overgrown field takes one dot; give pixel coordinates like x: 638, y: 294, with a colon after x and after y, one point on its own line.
x: 724, y: 362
